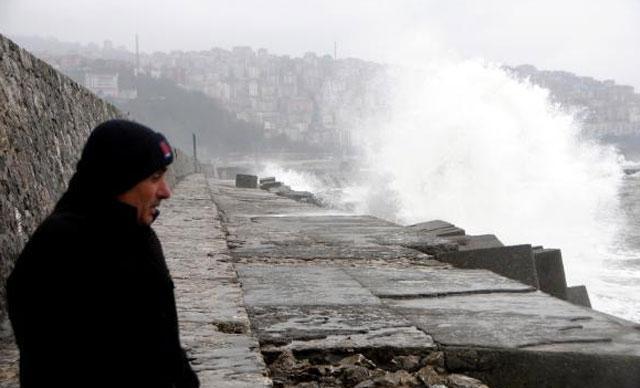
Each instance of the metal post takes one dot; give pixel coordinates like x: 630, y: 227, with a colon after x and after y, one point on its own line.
x: 195, y: 154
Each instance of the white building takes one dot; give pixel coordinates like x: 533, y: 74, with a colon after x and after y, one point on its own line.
x: 103, y: 85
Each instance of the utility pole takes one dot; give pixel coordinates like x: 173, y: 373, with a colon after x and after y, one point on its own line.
x: 335, y: 50
x: 195, y: 154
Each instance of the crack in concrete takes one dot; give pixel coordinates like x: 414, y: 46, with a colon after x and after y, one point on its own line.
x: 571, y: 328
x: 576, y: 319
x: 454, y: 293
x: 569, y: 341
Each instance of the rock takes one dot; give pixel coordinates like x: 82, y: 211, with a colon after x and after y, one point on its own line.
x: 366, y: 384
x: 435, y: 359
x: 400, y: 378
x: 321, y: 370
x: 430, y: 377
x: 358, y: 359
x: 408, y: 363
x: 354, y: 374
x: 285, y: 361
x: 308, y: 384
x: 462, y: 381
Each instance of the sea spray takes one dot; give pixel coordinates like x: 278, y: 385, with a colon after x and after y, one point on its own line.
x: 468, y: 143
x: 297, y: 180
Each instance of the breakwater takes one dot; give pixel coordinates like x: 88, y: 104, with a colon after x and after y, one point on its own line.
x: 321, y: 285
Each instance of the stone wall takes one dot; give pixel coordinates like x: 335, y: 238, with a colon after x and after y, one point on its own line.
x: 45, y: 118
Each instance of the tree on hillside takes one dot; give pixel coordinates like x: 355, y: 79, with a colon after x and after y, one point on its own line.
x: 164, y: 105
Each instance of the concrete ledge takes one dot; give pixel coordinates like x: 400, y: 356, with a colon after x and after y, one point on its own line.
x: 247, y: 181
x: 323, y: 320
x: 437, y: 228
x: 470, y: 243
x: 550, y: 271
x: 515, y: 262
x: 578, y: 295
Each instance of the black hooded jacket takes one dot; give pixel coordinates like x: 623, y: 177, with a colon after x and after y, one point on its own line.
x: 91, y: 300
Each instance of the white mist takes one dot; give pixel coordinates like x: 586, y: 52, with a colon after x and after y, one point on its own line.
x: 467, y: 143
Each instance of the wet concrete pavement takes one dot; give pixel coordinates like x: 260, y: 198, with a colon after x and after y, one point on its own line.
x: 319, y: 281
x: 214, y: 325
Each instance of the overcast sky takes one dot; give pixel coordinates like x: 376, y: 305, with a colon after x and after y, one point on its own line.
x: 599, y: 38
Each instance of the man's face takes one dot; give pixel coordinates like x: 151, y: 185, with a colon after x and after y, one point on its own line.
x: 146, y: 196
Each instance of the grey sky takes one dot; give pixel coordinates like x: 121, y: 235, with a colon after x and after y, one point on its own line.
x: 589, y: 37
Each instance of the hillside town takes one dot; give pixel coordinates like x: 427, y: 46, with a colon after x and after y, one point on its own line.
x: 606, y: 108
x: 310, y: 99
x: 313, y: 99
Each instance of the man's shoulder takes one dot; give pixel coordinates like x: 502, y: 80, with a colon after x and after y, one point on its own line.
x: 56, y: 241
x: 59, y: 229
x: 62, y: 224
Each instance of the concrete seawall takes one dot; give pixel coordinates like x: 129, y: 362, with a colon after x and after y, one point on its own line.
x: 320, y: 285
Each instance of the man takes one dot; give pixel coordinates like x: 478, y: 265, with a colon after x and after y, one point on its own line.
x: 90, y: 299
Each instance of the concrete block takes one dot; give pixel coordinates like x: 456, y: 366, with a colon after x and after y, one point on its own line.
x: 420, y: 241
x: 437, y: 227
x: 279, y: 189
x: 578, y: 295
x: 429, y: 226
x: 269, y: 185
x: 515, y: 262
x: 455, y: 231
x: 270, y: 179
x: 469, y: 243
x: 550, y: 272
x: 303, y: 196
x: 246, y: 181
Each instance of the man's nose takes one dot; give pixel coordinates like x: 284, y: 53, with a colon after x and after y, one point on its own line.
x: 164, y: 191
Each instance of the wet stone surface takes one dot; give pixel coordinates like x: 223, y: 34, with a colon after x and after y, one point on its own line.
x: 323, y: 287
x: 280, y: 325
x: 260, y: 224
x: 214, y: 325
x: 519, y: 321
x: 9, y: 357
x: 277, y: 285
x: 391, y: 282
